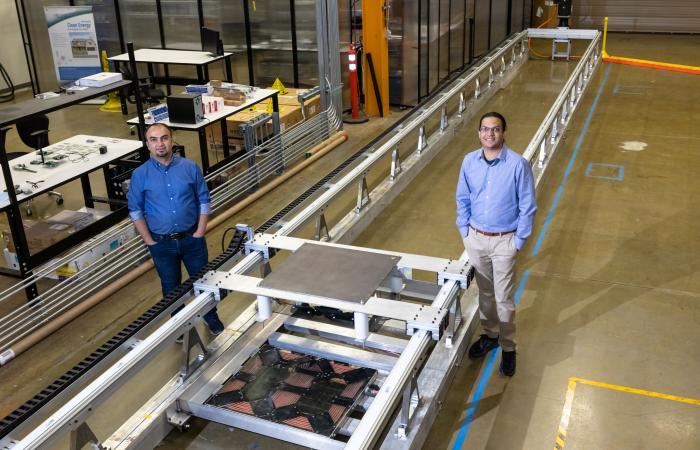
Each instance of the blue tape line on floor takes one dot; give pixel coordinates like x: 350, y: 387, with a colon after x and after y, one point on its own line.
x: 484, y: 379
x: 491, y: 358
x: 555, y: 203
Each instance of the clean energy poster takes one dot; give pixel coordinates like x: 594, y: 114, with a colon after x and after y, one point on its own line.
x: 73, y: 41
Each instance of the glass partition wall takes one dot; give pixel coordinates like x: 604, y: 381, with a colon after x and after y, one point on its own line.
x: 429, y: 40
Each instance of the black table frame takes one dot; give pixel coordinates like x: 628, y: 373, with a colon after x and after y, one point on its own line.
x: 168, y: 81
x: 26, y: 260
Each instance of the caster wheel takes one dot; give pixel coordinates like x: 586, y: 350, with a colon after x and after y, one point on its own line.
x: 59, y: 201
x: 29, y: 212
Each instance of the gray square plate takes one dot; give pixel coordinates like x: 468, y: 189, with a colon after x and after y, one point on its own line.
x: 332, y: 272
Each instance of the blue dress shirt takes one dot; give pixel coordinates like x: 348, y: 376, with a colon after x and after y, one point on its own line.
x: 496, y: 197
x: 171, y: 197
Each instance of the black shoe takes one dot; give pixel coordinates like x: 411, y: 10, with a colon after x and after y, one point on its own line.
x: 507, y: 363
x: 481, y: 347
x: 215, y: 326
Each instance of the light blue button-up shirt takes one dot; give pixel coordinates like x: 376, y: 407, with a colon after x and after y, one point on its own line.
x: 171, y: 197
x: 496, y: 197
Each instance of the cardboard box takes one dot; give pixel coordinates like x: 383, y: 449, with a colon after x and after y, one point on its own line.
x: 312, y: 106
x: 236, y: 121
x: 290, y: 115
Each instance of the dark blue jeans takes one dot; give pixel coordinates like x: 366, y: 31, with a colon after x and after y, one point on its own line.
x: 167, y: 256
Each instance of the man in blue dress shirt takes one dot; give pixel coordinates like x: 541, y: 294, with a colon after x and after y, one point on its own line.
x: 495, y: 209
x: 169, y: 204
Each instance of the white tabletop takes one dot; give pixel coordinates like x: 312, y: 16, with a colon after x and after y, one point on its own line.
x: 164, y: 56
x: 82, y: 156
x: 257, y: 96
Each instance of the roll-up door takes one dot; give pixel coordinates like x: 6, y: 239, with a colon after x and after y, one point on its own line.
x: 673, y: 16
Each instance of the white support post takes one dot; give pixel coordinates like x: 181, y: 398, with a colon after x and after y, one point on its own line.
x: 361, y: 326
x: 264, y: 308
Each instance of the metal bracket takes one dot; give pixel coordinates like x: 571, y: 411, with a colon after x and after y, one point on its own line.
x: 422, y: 141
x: 247, y: 229
x: 178, y: 418
x: 322, y: 231
x: 395, y: 163
x: 82, y: 436
x: 453, y: 322
x: 362, y: 194
x: 444, y: 122
x: 191, y: 340
x: 8, y: 443
x: 252, y: 246
x: 409, y: 404
x: 430, y: 320
x: 201, y: 286
x: 458, y: 271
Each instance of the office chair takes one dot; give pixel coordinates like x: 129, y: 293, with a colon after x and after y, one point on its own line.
x: 149, y: 94
x: 34, y: 133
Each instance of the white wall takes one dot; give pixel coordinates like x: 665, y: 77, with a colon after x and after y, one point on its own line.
x: 12, y: 50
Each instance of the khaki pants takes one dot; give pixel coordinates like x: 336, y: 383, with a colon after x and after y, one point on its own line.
x: 493, y: 258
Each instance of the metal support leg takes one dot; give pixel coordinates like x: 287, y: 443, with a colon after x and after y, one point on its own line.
x: 322, y: 229
x: 444, y: 123
x: 555, y: 131
x: 543, y: 153
x: 191, y: 340
x: 462, y: 105
x: 490, y: 75
x: 410, y: 402
x: 422, y: 141
x: 265, y: 269
x: 82, y: 436
x: 362, y: 194
x: 249, y: 142
x: 395, y: 163
x: 477, y: 89
x: 454, y: 321
x: 503, y: 65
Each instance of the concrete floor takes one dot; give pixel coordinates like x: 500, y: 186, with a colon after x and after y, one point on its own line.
x: 610, y: 295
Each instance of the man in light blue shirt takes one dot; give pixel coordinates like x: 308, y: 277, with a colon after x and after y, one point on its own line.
x: 169, y: 204
x: 495, y: 210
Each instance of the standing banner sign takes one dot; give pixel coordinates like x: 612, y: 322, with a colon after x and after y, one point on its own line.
x: 73, y: 41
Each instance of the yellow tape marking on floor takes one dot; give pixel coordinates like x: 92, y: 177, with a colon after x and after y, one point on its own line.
x: 566, y: 414
x: 615, y: 387
x: 569, y: 402
x: 643, y: 62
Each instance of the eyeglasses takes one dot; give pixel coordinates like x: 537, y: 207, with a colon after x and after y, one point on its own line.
x: 487, y: 129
